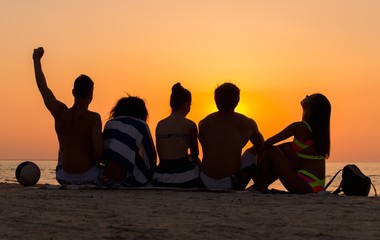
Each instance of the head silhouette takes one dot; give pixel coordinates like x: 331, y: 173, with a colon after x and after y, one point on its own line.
x: 130, y: 107
x: 227, y: 97
x: 83, y: 87
x: 179, y: 97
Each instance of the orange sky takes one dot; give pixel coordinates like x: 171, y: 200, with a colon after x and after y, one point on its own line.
x: 275, y: 51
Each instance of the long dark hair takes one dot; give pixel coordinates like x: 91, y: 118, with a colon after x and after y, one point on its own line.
x: 130, y: 107
x: 318, y: 118
x: 179, y: 96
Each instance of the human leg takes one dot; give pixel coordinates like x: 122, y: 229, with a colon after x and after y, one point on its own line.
x: 287, y: 173
x: 275, y: 163
x: 247, y: 170
x: 265, y: 175
x: 315, y: 183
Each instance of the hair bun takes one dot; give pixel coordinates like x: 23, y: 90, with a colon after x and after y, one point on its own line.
x: 177, y: 88
x: 179, y: 96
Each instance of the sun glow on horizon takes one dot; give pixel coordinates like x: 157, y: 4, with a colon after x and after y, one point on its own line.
x: 275, y: 53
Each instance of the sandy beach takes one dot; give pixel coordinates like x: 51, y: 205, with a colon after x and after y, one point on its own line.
x: 32, y: 212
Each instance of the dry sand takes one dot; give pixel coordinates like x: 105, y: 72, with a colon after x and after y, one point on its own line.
x: 33, y: 213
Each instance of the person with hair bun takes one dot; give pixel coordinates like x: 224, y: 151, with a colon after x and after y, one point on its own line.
x: 177, y: 145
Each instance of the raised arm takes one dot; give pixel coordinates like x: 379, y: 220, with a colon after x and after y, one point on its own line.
x: 47, y: 94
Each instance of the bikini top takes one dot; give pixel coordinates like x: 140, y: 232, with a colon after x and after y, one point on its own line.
x: 183, y: 136
x: 300, y: 145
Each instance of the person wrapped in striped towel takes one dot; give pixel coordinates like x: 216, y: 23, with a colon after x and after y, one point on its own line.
x: 129, y: 151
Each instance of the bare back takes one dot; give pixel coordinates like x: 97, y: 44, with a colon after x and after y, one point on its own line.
x: 79, y: 130
x: 223, y: 136
x: 74, y: 129
x: 175, y: 135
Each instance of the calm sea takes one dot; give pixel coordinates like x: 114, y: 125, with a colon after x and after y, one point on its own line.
x: 8, y: 168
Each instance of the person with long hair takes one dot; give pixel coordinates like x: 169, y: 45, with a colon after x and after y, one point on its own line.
x: 129, y: 152
x: 177, y: 144
x: 300, y: 164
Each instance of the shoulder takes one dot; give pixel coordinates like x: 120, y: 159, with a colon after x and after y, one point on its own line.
x: 190, y: 123
x: 191, y: 126
x: 56, y: 107
x: 243, y: 119
x: 93, y: 117
x: 212, y: 117
x: 299, y: 129
x: 207, y: 122
x: 162, y: 122
x: 209, y: 118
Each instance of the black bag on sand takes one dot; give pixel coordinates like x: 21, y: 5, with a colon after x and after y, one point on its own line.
x: 354, y: 182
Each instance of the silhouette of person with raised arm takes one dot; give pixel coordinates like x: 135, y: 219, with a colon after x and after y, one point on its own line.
x: 79, y: 130
x: 223, y: 135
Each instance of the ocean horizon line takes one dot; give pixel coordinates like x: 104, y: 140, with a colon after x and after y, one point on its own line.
x: 51, y: 159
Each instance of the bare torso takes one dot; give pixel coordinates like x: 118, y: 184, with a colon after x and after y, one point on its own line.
x: 75, y: 129
x: 223, y: 136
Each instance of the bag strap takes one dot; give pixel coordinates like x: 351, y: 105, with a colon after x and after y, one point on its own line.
x: 374, y: 189
x: 338, y: 190
x: 328, y: 184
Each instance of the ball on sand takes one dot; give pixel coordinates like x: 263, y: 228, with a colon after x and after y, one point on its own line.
x: 28, y: 173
